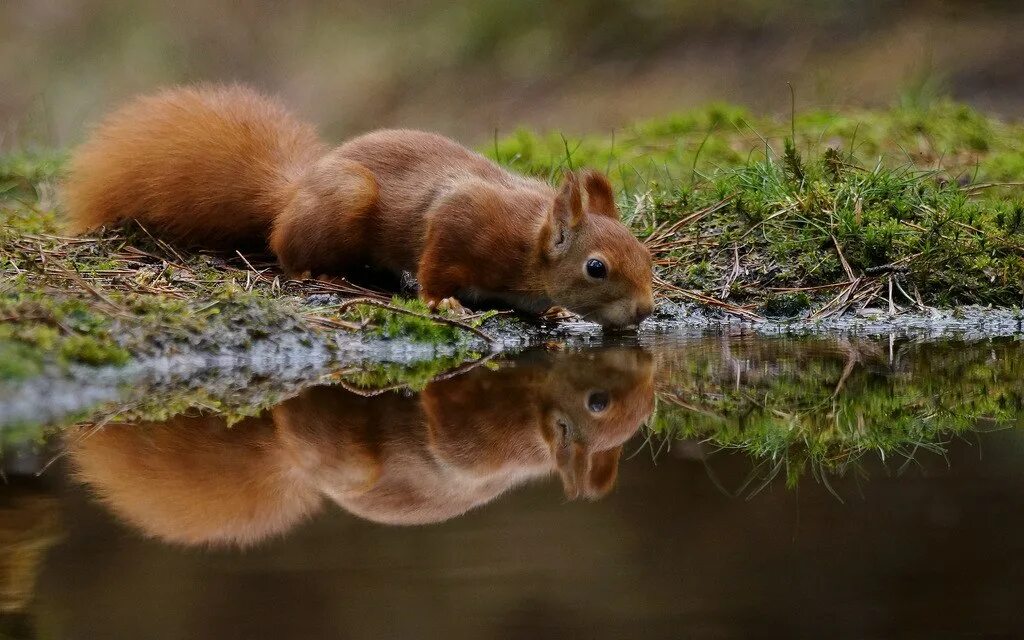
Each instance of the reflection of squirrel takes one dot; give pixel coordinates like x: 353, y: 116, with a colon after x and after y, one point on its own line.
x: 391, y: 458
x: 224, y: 167
x: 29, y: 526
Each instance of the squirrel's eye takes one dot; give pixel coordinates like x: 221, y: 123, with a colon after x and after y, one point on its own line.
x: 596, y: 268
x: 598, y: 401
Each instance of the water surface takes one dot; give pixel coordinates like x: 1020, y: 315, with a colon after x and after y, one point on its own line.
x: 727, y: 486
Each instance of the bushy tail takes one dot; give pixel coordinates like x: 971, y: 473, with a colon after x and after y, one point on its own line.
x: 206, y: 165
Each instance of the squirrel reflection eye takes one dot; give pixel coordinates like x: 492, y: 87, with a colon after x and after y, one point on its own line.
x: 596, y: 268
x: 598, y: 401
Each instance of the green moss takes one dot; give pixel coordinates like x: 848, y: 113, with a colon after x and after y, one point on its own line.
x: 93, y: 351
x: 18, y: 360
x: 786, y: 305
x: 420, y: 324
x: 399, y: 325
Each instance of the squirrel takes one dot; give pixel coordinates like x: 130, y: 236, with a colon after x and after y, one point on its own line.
x: 395, y: 458
x: 225, y: 167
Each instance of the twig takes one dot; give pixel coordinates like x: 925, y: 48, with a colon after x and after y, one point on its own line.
x: 970, y: 190
x: 815, y: 288
x: 160, y: 243
x: 735, y: 272
x: 839, y: 303
x: 906, y: 295
x: 892, y: 305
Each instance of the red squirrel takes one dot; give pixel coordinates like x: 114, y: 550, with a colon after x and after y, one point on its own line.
x: 224, y: 167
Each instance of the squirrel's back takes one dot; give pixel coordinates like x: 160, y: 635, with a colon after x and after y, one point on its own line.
x: 203, y: 165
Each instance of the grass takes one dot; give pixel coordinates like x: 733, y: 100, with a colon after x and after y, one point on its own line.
x: 817, y: 213
x: 812, y: 215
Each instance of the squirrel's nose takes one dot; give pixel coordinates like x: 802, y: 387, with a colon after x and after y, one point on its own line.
x: 643, y: 310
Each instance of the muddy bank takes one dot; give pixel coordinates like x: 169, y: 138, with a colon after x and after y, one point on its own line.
x: 240, y: 374
x: 281, y: 365
x: 964, y: 323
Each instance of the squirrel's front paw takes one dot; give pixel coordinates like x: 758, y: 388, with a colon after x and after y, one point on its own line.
x: 557, y: 313
x: 450, y: 305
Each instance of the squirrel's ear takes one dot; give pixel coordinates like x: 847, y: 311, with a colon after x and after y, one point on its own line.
x: 569, y: 201
x: 600, y: 195
x: 566, y: 215
x: 604, y: 468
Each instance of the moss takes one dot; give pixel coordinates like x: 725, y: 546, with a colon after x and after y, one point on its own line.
x: 390, y: 324
x: 18, y: 360
x: 93, y: 351
x: 786, y: 304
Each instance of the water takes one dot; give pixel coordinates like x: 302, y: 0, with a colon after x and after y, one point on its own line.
x: 720, y: 487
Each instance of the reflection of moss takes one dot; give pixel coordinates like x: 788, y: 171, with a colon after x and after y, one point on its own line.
x: 821, y: 405
x: 414, y: 376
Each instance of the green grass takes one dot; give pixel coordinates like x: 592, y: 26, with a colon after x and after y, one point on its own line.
x: 913, y: 194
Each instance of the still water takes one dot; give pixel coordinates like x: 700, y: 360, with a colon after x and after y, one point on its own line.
x: 714, y: 487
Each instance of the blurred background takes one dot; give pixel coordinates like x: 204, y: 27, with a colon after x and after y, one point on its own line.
x: 469, y: 68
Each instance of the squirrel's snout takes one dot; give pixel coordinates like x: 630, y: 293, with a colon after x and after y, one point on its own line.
x: 643, y: 310
x: 624, y: 314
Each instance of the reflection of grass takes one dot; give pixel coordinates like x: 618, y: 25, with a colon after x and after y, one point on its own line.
x: 819, y: 406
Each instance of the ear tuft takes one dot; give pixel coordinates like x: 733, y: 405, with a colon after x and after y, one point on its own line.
x: 600, y: 195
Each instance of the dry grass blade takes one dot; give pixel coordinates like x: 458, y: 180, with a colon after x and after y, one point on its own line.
x: 664, y: 286
x: 842, y: 259
x: 667, y: 230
